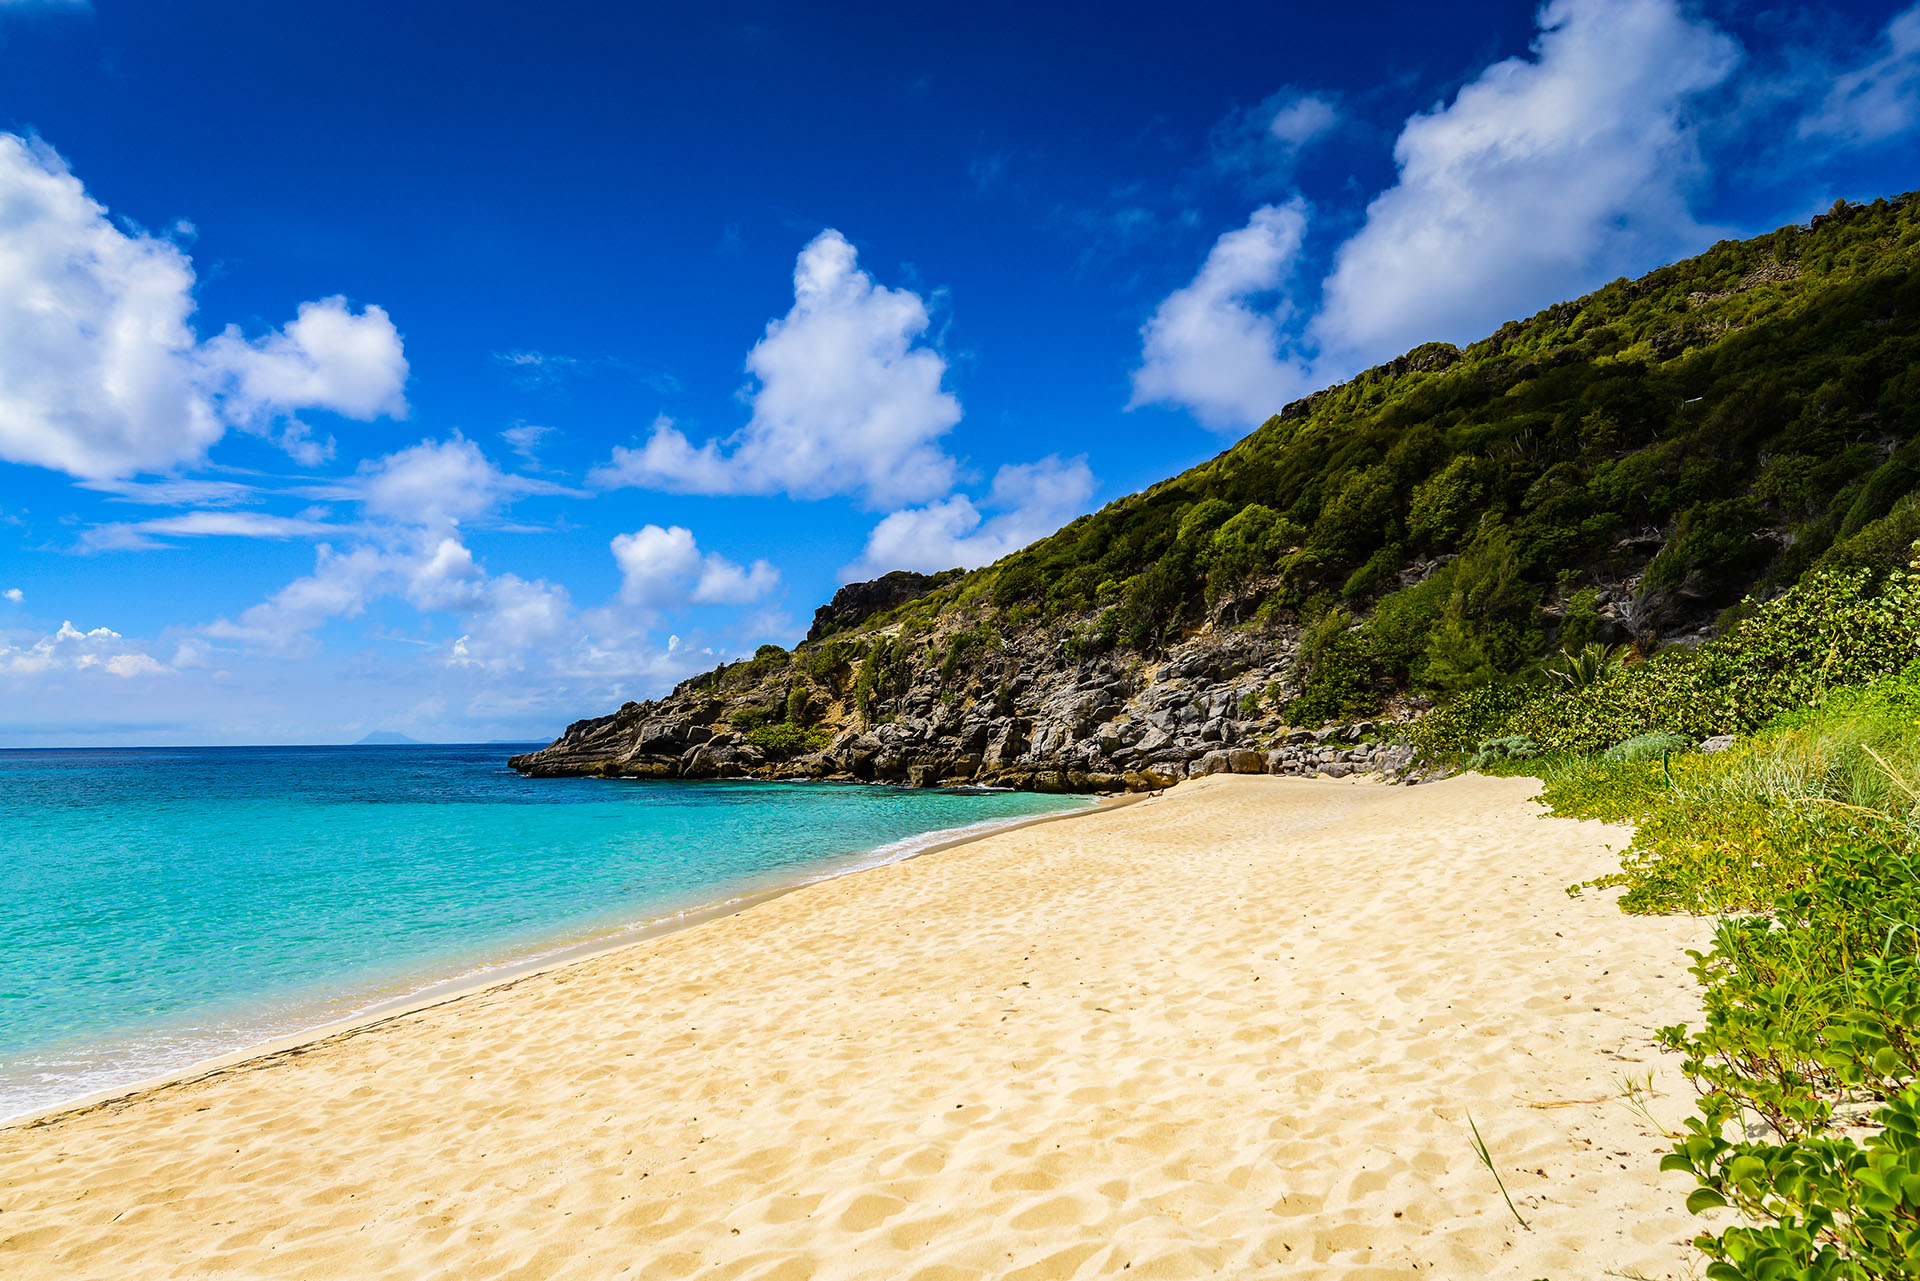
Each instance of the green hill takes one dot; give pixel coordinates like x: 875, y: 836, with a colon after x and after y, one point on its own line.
x: 1632, y: 467
x: 1664, y: 446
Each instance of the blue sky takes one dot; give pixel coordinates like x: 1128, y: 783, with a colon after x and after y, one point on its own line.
x: 462, y: 370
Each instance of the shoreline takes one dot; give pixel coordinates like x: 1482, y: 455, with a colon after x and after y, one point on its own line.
x: 1249, y: 1029
x: 506, y: 974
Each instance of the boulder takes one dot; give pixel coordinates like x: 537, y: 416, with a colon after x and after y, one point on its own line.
x: 1153, y: 741
x: 1718, y: 743
x: 1243, y: 760
x: 1218, y: 762
x: 1395, y: 759
x: 1151, y: 778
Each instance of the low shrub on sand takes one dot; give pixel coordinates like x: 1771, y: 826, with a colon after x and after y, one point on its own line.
x: 1805, y: 837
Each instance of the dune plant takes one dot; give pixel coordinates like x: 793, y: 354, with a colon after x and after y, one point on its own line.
x: 1805, y: 836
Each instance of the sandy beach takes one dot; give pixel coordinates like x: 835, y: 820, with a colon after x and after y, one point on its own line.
x: 1235, y: 1030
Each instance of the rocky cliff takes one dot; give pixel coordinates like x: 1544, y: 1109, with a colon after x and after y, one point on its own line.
x: 1017, y: 712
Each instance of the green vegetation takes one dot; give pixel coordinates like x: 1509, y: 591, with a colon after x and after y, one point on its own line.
x: 1725, y: 423
x: 784, y: 741
x: 1835, y: 628
x: 1804, y: 838
x: 1808, y: 833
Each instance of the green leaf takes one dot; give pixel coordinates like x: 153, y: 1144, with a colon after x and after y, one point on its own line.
x: 1704, y: 1199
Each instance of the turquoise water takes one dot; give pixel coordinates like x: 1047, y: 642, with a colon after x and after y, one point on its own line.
x: 160, y: 906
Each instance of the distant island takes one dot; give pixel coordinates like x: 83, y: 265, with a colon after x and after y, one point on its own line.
x: 386, y: 738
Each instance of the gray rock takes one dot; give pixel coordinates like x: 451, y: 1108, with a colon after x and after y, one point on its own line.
x: 1245, y: 761
x: 1213, y: 763
x: 1718, y: 743
x: 1153, y: 741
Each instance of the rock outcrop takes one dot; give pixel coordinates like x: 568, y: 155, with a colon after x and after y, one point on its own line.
x: 1021, y: 712
x: 857, y: 602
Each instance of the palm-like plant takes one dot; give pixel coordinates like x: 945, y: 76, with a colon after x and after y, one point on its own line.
x: 1594, y: 663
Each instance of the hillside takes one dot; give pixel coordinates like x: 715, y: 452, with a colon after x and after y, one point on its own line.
x: 1628, y: 467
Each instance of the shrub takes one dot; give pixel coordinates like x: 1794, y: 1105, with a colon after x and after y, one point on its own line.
x: 751, y: 718
x: 1340, y: 685
x: 1516, y: 747
x: 1646, y: 747
x: 1831, y: 630
x: 783, y: 741
x: 1811, y: 829
x: 1591, y: 665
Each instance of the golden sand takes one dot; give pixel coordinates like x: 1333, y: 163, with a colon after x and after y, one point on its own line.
x: 1232, y: 1031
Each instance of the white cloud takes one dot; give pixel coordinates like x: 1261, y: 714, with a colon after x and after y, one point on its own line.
x: 1030, y: 500
x: 524, y: 439
x: 1262, y: 144
x: 101, y: 373
x: 1209, y: 347
x: 327, y: 357
x: 846, y: 402
x: 97, y: 368
x: 664, y: 568
x: 71, y: 649
x: 340, y: 586
x: 722, y: 582
x: 1543, y: 178
x: 1300, y: 119
x: 145, y: 535
x: 1880, y: 99
x: 14, y: 594
x: 176, y: 492
x: 536, y: 370
x: 436, y: 483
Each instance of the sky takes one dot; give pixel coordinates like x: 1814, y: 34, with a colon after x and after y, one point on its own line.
x: 464, y: 370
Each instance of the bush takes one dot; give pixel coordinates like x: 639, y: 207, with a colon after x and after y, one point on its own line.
x: 784, y: 741
x: 1646, y: 747
x: 1516, y: 747
x: 1831, y: 630
x: 1341, y: 684
x: 1808, y: 1121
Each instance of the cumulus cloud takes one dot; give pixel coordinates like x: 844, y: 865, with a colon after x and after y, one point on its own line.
x: 70, y: 649
x: 436, y: 483
x: 1210, y: 346
x: 1879, y: 99
x: 846, y: 401
x: 14, y: 595
x: 414, y: 500
x: 663, y: 568
x: 1029, y: 501
x: 1545, y: 176
x: 328, y: 357
x: 101, y: 372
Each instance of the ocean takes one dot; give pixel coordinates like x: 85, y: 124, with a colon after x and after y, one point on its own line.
x: 161, y: 906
